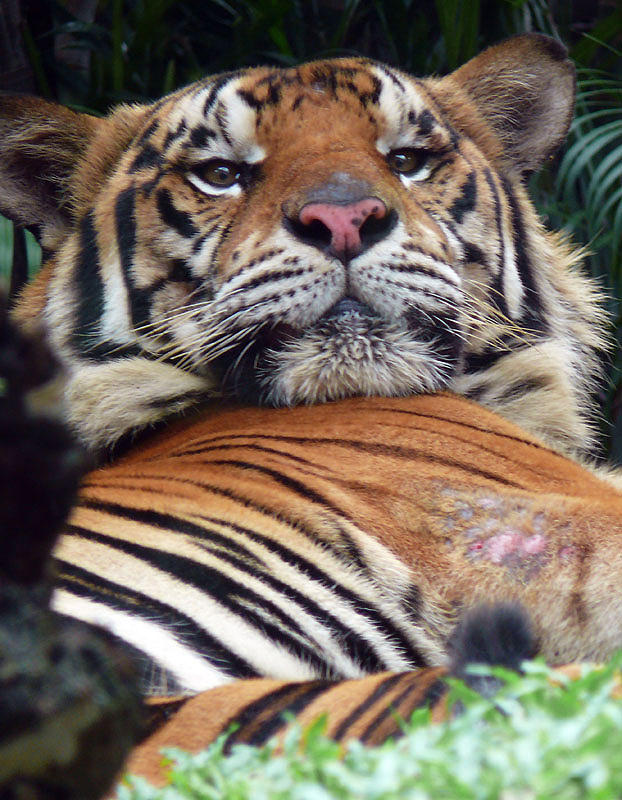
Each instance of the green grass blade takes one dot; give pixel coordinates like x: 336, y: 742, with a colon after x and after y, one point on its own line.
x: 584, y: 151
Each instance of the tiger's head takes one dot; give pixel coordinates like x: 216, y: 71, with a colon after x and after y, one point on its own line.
x: 300, y: 235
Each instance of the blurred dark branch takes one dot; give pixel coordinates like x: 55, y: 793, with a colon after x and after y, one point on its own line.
x: 16, y: 74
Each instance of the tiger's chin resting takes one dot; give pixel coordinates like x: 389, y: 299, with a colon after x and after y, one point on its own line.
x: 350, y: 352
x: 290, y: 236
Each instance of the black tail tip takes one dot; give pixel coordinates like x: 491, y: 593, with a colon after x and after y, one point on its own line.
x: 497, y: 635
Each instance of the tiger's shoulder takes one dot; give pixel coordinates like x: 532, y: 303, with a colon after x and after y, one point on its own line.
x: 287, y: 236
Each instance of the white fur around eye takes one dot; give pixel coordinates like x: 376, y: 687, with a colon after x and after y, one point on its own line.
x: 422, y: 174
x: 211, y: 190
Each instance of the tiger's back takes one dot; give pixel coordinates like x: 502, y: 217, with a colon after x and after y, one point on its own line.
x: 296, y: 544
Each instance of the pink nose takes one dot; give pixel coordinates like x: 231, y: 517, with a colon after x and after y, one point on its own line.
x: 344, y: 222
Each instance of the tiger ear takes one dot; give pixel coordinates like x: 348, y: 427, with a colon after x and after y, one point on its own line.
x: 525, y: 90
x: 41, y: 146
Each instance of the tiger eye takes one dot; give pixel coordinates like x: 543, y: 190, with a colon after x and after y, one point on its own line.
x: 219, y: 173
x: 407, y: 160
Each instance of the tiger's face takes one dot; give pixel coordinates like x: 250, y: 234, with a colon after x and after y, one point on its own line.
x: 299, y: 235
x: 295, y: 230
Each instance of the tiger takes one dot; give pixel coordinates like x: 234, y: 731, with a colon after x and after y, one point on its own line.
x: 382, y: 361
x: 259, y: 561
x: 302, y: 235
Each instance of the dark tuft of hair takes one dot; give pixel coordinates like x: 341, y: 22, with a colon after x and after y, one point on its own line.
x: 498, y: 636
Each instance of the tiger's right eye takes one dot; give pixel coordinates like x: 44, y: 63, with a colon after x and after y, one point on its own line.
x: 219, y: 173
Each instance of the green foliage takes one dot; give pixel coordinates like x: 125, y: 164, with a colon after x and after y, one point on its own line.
x: 542, y: 736
x: 6, y: 252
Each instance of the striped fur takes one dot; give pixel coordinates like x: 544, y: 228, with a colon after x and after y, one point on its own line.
x: 299, y: 545
x: 323, y: 543
x: 163, y: 288
x: 370, y: 709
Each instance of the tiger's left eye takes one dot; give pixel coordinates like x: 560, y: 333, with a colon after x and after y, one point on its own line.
x: 219, y: 173
x: 407, y: 160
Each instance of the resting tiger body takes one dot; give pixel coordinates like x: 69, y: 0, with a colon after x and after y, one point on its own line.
x: 313, y: 548
x: 294, y: 236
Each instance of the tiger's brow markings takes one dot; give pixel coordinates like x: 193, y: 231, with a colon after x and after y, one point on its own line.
x: 426, y: 122
x: 219, y: 116
x: 200, y: 135
x: 216, y: 87
x: 151, y: 128
x: 440, y: 118
x: 149, y: 156
x: 392, y: 77
x: 172, y: 136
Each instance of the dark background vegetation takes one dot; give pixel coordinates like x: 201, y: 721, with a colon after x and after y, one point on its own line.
x: 92, y: 54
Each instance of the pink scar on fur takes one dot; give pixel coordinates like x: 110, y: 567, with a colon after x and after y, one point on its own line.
x: 509, y: 547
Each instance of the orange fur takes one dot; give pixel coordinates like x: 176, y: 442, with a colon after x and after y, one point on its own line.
x: 426, y: 476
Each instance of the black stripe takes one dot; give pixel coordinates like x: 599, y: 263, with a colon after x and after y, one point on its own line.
x: 271, y: 277
x: 434, y: 693
x: 382, y: 623
x: 222, y: 234
x: 89, y: 287
x: 147, y: 157
x: 497, y: 297
x: 225, y: 590
x: 389, y: 73
x: 125, y: 220
x: 180, y: 221
x: 533, y: 315
x: 465, y: 202
x: 357, y: 648
x: 220, y: 121
x: 200, y: 135
x: 107, y: 350
x: 365, y: 609
x: 149, y: 131
x: 520, y: 388
x: 82, y: 583
x: 456, y: 423
x: 291, y: 698
x: 296, y: 486
x: 403, y: 453
x: 218, y: 84
x: 385, y: 686
x: 426, y: 122
x: 172, y: 136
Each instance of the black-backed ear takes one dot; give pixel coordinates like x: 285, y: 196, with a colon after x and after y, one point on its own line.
x: 40, y: 145
x: 525, y: 90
